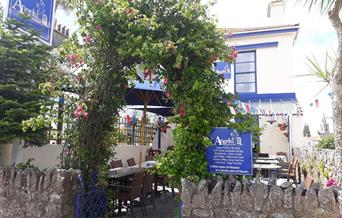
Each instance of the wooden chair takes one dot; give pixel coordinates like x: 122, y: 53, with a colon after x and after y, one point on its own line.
x: 132, y: 192
x: 291, y: 172
x: 281, y: 153
x: 147, y: 189
x: 131, y: 162
x: 149, y: 157
x: 116, y: 163
x: 308, y: 182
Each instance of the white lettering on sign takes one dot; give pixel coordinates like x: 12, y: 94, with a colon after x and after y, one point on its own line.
x: 38, y: 14
x: 234, y: 139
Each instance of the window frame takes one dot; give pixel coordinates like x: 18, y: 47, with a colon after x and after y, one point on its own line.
x: 249, y: 72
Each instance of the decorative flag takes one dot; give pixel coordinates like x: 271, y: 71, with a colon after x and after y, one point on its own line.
x: 316, y: 102
x: 248, y: 109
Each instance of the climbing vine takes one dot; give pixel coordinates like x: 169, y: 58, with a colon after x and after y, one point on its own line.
x: 173, y: 41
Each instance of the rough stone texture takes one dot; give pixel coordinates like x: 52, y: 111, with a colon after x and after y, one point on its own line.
x: 312, y: 157
x: 256, y: 201
x: 37, y: 194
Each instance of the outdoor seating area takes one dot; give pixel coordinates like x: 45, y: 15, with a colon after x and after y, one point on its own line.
x: 137, y: 185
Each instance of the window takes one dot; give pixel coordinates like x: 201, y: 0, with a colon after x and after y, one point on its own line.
x: 245, y: 72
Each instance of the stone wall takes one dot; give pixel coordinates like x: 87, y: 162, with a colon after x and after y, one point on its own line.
x: 318, y: 163
x: 30, y: 193
x: 233, y: 199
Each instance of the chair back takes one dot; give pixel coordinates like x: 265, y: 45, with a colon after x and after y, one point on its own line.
x: 131, y: 162
x: 281, y: 153
x: 147, y: 183
x: 308, y: 182
x: 137, y: 184
x: 116, y: 163
x: 149, y: 157
x: 263, y: 155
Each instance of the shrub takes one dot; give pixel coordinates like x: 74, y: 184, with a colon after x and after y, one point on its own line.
x: 327, y: 142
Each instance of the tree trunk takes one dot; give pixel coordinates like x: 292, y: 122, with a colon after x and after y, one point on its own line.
x: 336, y: 84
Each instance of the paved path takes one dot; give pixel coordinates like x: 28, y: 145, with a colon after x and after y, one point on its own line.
x: 164, y: 209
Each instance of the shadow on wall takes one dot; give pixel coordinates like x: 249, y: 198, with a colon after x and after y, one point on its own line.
x: 44, y: 157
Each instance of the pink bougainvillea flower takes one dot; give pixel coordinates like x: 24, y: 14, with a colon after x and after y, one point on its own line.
x: 98, y: 27
x: 79, y: 112
x: 330, y: 182
x: 87, y: 39
x: 233, y: 53
x: 181, y: 110
x: 164, y: 81
x: 167, y: 93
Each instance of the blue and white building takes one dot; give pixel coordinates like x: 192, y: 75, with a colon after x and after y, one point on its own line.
x: 263, y: 78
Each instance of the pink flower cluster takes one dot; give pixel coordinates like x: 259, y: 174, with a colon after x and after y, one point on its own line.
x: 80, y: 112
x: 182, y: 110
x: 98, y: 27
x: 74, y: 60
x: 167, y: 93
x: 330, y: 182
x: 233, y: 54
x: 87, y: 39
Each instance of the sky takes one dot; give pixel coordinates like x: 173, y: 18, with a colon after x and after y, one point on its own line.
x: 316, y: 37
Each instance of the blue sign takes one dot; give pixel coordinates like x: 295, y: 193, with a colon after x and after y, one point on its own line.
x: 223, y: 68
x: 230, y: 153
x: 40, y: 13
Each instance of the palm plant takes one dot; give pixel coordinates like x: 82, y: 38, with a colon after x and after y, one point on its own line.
x: 333, y: 8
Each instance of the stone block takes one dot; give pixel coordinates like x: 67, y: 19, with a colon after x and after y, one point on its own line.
x: 259, y: 193
x: 200, y: 199
x: 326, y: 200
x: 189, y: 189
x: 276, y: 197
x: 288, y: 198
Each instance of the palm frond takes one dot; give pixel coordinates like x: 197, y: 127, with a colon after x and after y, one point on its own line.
x: 316, y: 70
x: 324, y: 5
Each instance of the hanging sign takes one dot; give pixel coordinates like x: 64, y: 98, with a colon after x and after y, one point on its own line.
x: 223, y: 68
x: 230, y: 152
x: 41, y: 16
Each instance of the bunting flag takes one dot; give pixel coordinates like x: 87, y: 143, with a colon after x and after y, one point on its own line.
x: 316, y: 102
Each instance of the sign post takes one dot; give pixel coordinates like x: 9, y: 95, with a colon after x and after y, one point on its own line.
x: 230, y: 153
x: 41, y: 14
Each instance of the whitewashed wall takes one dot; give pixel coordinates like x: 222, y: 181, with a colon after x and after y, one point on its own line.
x: 273, y: 140
x: 275, y: 67
x: 44, y: 157
x: 124, y: 152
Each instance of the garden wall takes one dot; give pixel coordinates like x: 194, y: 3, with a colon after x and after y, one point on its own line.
x: 233, y: 199
x: 28, y: 193
x: 319, y: 163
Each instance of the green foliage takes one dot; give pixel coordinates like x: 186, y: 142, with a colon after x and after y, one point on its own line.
x: 24, y: 64
x: 178, y: 42
x: 27, y: 165
x: 328, y: 142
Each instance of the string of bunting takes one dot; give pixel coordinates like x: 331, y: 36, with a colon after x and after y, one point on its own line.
x: 247, y: 107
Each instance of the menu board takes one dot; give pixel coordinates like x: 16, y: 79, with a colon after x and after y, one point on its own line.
x: 230, y: 152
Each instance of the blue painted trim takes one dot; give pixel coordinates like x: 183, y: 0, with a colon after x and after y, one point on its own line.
x: 254, y: 97
x: 264, y: 32
x: 258, y: 45
x: 255, y: 73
